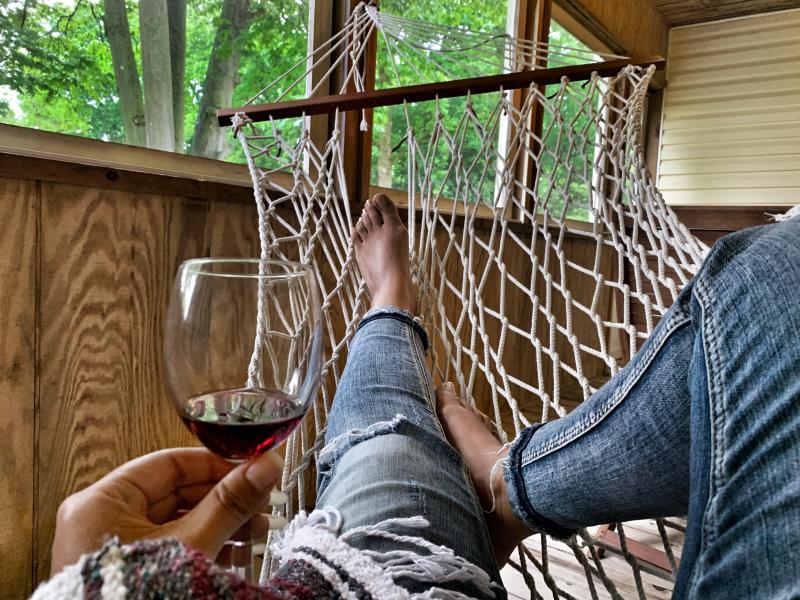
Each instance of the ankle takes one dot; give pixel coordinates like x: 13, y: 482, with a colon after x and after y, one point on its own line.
x: 394, y: 297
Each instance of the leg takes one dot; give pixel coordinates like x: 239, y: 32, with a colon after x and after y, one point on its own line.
x: 385, y: 455
x: 706, y: 416
x: 744, y: 514
x: 623, y: 454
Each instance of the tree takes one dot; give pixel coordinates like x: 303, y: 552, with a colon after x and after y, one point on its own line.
x: 221, y: 78
x: 131, y: 102
x: 135, y: 71
x: 157, y: 74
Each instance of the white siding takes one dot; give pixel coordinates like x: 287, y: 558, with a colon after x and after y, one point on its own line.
x: 731, y: 122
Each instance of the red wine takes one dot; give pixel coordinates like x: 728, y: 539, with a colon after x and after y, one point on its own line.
x: 241, y: 423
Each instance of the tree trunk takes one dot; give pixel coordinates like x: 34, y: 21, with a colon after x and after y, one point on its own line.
x: 126, y: 74
x: 221, y: 76
x: 177, y: 54
x: 157, y: 75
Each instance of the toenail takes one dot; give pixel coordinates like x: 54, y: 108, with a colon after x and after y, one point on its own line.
x: 449, y: 387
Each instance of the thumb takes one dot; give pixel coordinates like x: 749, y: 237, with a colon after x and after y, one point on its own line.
x: 231, y: 503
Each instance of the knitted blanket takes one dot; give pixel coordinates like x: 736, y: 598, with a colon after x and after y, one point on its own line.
x: 316, y: 563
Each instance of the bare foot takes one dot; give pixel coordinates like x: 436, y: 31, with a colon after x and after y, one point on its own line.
x: 480, y: 449
x: 381, y: 244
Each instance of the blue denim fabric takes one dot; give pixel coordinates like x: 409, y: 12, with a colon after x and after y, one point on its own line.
x: 386, y: 456
x: 705, y: 419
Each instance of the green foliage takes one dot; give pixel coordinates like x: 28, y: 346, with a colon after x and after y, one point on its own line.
x: 59, y: 67
x: 412, y: 68
x: 562, y: 168
x: 57, y: 72
x: 57, y: 75
x: 566, y: 168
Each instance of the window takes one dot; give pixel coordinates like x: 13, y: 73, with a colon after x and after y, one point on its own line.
x: 565, y: 170
x: 75, y: 66
x: 418, y: 61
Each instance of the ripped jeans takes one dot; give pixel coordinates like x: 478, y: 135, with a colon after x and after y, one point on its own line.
x: 386, y: 457
x: 705, y: 419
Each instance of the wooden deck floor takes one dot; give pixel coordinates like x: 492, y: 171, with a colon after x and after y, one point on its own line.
x: 571, y: 578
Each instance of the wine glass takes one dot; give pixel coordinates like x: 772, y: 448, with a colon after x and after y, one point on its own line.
x: 242, y: 356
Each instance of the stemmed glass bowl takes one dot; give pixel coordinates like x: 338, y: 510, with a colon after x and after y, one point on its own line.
x: 242, y: 351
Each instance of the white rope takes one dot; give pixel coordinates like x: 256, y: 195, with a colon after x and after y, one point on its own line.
x: 522, y: 301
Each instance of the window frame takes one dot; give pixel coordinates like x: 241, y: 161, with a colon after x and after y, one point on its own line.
x: 525, y: 19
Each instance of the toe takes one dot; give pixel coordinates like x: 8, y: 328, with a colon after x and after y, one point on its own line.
x: 387, y: 208
x: 371, y: 213
x: 362, y: 230
x: 446, y: 395
x: 365, y: 220
x: 355, y: 237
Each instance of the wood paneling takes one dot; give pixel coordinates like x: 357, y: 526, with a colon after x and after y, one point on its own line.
x: 731, y: 119
x: 107, y: 264
x: 104, y: 256
x: 684, y: 12
x: 18, y: 208
x: 629, y: 27
x: 88, y: 271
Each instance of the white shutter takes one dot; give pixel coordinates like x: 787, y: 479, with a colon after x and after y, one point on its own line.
x: 731, y: 121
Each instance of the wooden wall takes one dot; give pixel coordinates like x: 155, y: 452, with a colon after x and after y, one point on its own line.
x: 86, y: 264
x: 85, y: 274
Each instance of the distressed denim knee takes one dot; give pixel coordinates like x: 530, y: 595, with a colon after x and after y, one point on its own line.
x: 395, y: 474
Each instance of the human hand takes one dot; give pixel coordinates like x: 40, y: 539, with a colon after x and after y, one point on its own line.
x: 141, y: 499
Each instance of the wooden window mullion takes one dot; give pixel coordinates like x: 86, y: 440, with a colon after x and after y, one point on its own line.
x: 358, y: 144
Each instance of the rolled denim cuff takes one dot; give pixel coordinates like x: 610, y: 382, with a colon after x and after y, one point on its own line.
x: 398, y: 314
x: 518, y: 496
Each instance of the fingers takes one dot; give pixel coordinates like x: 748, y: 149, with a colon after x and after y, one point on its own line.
x: 230, y: 503
x: 160, y: 475
x: 187, y: 498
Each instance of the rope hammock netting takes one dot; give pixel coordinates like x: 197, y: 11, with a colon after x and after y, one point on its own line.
x: 542, y: 261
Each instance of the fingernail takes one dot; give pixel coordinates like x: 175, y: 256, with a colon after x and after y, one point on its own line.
x: 277, y: 497
x: 276, y: 522
x: 448, y: 386
x: 264, y: 471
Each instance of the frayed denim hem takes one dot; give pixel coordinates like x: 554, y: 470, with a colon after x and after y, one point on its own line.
x: 316, y: 540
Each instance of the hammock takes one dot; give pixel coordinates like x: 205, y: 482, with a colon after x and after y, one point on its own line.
x: 525, y: 325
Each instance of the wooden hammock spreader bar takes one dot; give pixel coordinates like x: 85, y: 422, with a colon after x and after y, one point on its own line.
x: 430, y: 91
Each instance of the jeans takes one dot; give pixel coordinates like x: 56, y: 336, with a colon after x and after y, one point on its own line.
x: 386, y: 457
x: 704, y: 420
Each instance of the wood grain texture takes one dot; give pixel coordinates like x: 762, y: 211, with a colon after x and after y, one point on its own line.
x: 684, y: 12
x: 629, y: 27
x: 108, y: 260
x: 85, y: 357
x: 18, y: 244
